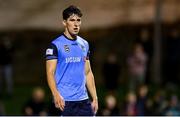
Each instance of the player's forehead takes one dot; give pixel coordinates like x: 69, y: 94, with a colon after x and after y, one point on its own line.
x: 74, y: 16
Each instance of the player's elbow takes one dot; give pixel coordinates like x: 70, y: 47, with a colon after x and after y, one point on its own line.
x: 88, y: 71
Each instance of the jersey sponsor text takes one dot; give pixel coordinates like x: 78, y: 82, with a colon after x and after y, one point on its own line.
x: 73, y: 59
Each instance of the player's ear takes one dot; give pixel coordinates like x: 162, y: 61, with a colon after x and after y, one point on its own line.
x: 64, y: 22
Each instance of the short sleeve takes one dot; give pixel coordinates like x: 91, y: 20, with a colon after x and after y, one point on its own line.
x: 51, y: 52
x: 88, y: 51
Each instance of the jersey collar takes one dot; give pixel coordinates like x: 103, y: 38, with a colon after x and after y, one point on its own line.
x: 69, y: 38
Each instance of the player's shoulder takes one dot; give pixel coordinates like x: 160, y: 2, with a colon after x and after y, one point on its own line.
x: 58, y: 39
x: 82, y: 40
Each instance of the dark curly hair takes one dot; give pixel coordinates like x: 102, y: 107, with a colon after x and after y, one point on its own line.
x: 71, y: 10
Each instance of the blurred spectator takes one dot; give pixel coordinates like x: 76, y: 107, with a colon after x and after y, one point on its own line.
x: 111, y: 107
x: 149, y: 107
x: 173, y: 109
x: 6, y: 50
x: 111, y: 71
x: 159, y: 102
x: 36, y: 105
x: 137, y: 66
x: 142, y: 99
x: 146, y: 41
x: 129, y: 108
x: 2, y: 110
x: 172, y: 58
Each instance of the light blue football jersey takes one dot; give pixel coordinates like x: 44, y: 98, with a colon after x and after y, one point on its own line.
x: 70, y: 71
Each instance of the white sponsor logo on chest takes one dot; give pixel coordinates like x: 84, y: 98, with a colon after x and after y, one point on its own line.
x: 73, y: 59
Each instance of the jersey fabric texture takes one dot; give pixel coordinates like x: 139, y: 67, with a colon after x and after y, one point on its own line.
x: 70, y: 70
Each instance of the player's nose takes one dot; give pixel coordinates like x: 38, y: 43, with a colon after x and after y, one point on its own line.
x: 77, y: 23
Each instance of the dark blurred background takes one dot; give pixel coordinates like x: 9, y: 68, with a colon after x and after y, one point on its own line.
x: 135, y: 54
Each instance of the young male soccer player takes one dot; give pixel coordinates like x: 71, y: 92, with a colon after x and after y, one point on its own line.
x: 68, y: 69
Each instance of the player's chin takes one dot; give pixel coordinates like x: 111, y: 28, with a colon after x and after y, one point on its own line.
x: 75, y: 32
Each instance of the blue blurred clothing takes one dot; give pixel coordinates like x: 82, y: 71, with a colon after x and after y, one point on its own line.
x: 70, y: 76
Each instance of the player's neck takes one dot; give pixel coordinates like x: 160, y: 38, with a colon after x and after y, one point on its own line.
x: 69, y: 36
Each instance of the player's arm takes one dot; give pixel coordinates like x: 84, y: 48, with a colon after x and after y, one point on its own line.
x: 51, y: 63
x: 90, y: 83
x: 50, y: 70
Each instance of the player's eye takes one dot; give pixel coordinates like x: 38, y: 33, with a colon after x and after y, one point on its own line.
x: 78, y: 20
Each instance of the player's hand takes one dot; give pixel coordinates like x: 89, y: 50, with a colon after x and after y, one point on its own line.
x: 59, y: 101
x: 94, y: 105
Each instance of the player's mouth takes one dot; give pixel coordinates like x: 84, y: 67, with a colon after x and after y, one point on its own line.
x: 76, y: 29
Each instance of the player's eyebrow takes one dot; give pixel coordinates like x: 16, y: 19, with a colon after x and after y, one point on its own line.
x: 72, y: 19
x: 75, y: 19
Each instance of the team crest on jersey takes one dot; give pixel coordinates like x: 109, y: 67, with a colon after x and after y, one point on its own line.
x: 66, y: 48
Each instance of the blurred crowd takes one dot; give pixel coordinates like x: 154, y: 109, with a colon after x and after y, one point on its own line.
x: 162, y: 100
x: 141, y: 103
x: 133, y: 103
x: 37, y: 105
